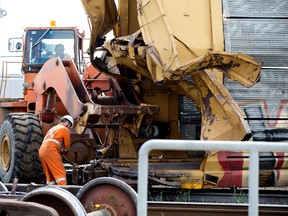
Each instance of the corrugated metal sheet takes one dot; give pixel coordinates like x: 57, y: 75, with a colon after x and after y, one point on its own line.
x: 272, y: 87
x: 260, y: 28
x: 255, y: 8
x: 265, y: 104
x: 266, y: 40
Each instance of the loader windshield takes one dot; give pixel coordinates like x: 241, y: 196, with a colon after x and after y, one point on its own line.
x: 42, y: 44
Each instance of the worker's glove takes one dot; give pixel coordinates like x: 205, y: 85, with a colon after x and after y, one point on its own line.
x: 64, y: 152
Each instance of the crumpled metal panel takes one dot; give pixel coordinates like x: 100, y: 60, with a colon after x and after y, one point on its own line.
x: 166, y: 51
x: 222, y: 119
x: 103, y: 16
x: 178, y: 36
x: 235, y: 66
x: 218, y: 108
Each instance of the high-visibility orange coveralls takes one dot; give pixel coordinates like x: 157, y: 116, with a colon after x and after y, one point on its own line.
x: 57, y: 138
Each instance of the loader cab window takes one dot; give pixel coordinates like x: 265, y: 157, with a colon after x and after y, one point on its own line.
x: 40, y: 45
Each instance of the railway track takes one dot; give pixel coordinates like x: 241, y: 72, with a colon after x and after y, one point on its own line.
x: 275, y: 196
x: 214, y: 202
x: 211, y: 209
x: 266, y: 196
x: 271, y: 196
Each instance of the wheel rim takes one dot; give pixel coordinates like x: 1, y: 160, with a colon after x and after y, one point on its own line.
x: 114, y: 196
x: 64, y: 202
x: 5, y: 153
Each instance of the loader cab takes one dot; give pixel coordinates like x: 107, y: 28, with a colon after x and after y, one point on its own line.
x: 41, y: 44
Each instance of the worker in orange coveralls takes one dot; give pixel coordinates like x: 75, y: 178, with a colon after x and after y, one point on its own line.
x: 55, y: 143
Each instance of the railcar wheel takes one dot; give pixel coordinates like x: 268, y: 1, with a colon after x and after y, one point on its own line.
x: 20, y: 139
x: 108, y: 193
x: 64, y: 202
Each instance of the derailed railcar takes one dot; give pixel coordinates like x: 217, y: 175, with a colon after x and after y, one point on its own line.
x: 131, y: 94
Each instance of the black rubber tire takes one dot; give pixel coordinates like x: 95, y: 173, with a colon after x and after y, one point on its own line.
x: 21, y: 134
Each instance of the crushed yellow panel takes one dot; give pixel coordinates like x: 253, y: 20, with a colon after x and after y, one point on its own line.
x: 192, y: 185
x: 103, y: 17
x: 173, y: 45
x: 177, y: 36
x: 236, y: 66
x: 222, y: 119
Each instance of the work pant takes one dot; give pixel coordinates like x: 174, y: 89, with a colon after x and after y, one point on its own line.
x: 52, y: 164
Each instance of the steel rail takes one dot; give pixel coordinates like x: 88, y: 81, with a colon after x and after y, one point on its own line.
x: 211, y: 209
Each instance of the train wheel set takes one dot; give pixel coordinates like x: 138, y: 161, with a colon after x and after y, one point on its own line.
x: 102, y: 196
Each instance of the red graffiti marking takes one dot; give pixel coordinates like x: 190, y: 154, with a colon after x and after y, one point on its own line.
x: 273, y: 123
x: 232, y: 164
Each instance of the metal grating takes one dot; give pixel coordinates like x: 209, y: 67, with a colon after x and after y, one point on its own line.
x: 266, y: 40
x: 272, y: 89
x: 265, y: 104
x: 190, y: 119
x: 258, y: 28
x: 255, y: 8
